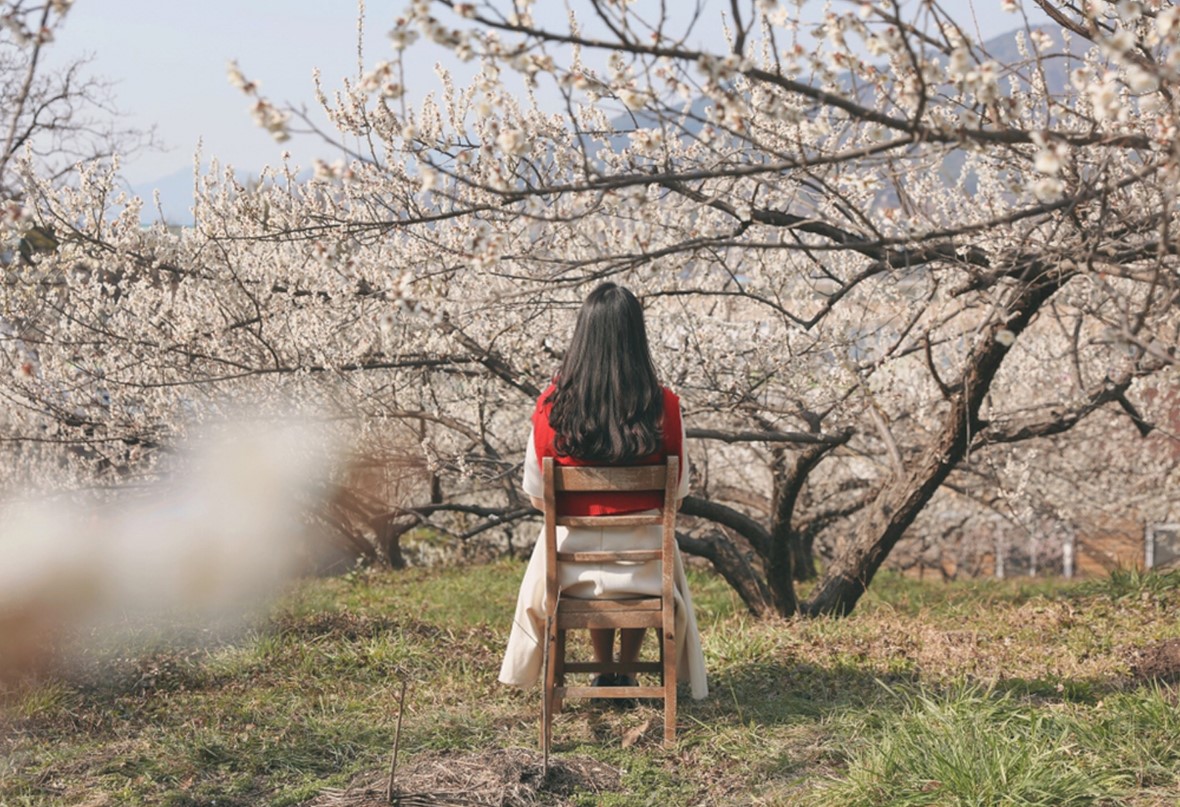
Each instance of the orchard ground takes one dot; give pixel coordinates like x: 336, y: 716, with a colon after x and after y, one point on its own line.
x: 1015, y: 692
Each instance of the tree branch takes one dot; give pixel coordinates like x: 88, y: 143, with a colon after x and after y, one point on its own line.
x: 1058, y: 421
x: 803, y: 438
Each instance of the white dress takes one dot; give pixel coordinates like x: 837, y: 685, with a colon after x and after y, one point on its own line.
x: 522, y: 660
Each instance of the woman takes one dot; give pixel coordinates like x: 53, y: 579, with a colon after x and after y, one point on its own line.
x: 605, y: 407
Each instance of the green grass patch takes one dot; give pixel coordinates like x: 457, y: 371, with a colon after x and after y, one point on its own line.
x: 1132, y: 582
x: 973, y: 747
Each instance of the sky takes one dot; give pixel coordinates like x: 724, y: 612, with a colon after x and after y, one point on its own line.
x: 167, y: 61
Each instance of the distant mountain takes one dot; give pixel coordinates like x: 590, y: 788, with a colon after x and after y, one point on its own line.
x: 176, y: 195
x: 176, y: 198
x: 1002, y: 48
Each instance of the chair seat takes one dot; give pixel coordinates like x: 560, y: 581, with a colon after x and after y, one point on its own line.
x: 632, y: 612
x: 623, y: 556
x: 577, y: 605
x: 599, y: 522
x: 609, y: 619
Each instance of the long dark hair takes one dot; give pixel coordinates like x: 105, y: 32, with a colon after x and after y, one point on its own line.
x: 607, y: 402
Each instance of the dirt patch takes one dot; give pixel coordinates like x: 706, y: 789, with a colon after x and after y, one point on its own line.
x: 510, y: 777
x: 1157, y: 662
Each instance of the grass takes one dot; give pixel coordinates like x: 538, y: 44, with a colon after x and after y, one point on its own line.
x: 973, y: 747
x: 980, y: 693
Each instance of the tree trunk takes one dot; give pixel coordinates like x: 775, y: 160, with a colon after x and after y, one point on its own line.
x: 725, y: 555
x: 778, y: 556
x: 389, y: 536
x: 802, y: 548
x: 785, y: 541
x: 728, y: 561
x: 902, y: 498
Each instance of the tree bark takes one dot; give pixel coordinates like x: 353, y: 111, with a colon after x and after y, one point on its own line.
x: 801, y: 545
x: 730, y: 518
x: 728, y: 561
x: 726, y: 556
x: 389, y: 537
x: 785, y: 542
x: 902, y: 497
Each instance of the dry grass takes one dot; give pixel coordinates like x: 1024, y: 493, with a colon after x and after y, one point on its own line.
x: 509, y: 777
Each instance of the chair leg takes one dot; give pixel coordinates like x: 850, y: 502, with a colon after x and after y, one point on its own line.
x: 669, y: 675
x: 559, y: 664
x: 660, y: 644
x: 547, y: 675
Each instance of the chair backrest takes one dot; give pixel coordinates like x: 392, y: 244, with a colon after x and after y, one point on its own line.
x: 608, y: 479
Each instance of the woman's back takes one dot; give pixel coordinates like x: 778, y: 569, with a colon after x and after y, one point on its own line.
x: 544, y: 443
x: 604, y: 407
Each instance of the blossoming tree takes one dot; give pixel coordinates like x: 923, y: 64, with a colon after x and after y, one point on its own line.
x: 884, y: 271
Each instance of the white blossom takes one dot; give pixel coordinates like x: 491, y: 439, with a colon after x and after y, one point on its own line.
x: 960, y: 62
x: 12, y: 212
x: 1140, y: 80
x: 1047, y: 188
x: 238, y: 80
x: 1104, y: 96
x: 1128, y: 11
x: 1167, y: 22
x: 1151, y: 104
x: 271, y: 118
x: 1048, y: 161
x: 1120, y: 41
x: 402, y: 37
x: 428, y: 178
x: 647, y: 140
x: 631, y: 98
x: 513, y: 141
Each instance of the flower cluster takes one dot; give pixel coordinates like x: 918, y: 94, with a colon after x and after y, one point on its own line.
x: 264, y: 113
x: 381, y: 79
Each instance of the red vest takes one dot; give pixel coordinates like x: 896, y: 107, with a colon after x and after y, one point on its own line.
x: 605, y: 504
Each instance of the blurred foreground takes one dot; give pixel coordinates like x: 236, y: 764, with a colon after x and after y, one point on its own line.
x: 211, y: 542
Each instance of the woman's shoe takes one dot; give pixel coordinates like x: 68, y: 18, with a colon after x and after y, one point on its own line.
x: 603, y: 680
x: 626, y: 681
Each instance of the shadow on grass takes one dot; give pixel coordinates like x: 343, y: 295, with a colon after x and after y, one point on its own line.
x: 771, y: 692
x: 777, y: 693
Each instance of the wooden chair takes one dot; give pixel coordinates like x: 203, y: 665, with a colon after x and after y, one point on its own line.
x: 563, y: 613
